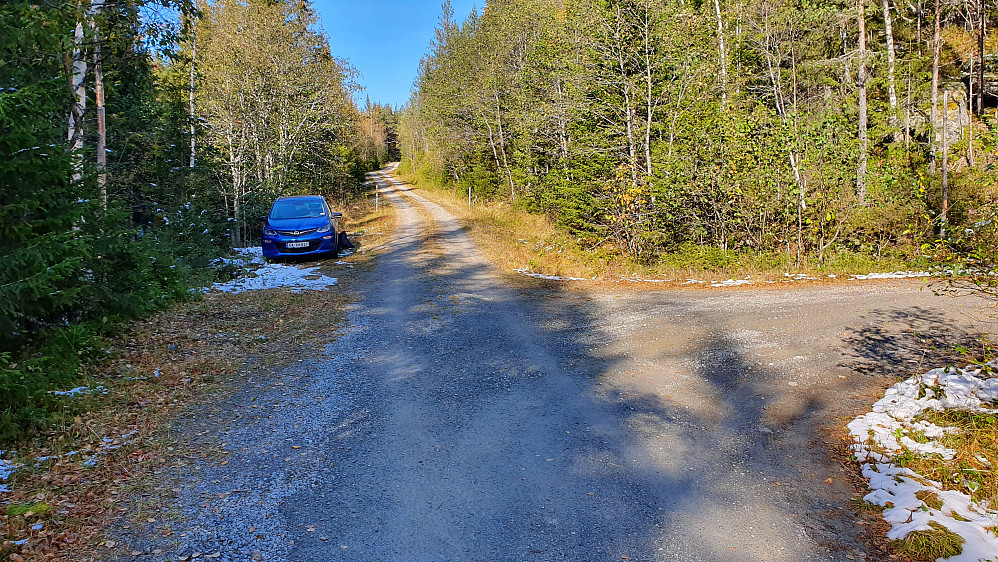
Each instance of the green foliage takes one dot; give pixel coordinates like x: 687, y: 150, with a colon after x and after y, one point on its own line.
x: 630, y: 124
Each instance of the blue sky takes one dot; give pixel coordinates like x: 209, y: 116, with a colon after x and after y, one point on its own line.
x: 384, y: 40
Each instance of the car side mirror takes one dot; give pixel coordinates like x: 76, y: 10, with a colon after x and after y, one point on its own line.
x: 336, y: 215
x: 262, y: 219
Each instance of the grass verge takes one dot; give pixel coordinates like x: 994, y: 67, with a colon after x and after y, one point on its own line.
x: 512, y: 238
x: 77, y: 476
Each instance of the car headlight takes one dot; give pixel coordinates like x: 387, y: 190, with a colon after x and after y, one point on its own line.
x: 269, y: 231
x: 327, y: 228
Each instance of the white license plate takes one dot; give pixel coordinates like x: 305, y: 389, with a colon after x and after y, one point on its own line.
x: 297, y: 244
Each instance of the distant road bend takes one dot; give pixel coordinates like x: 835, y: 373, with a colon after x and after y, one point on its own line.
x: 463, y: 418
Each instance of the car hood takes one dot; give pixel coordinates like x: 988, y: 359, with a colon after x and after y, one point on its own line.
x: 298, y: 224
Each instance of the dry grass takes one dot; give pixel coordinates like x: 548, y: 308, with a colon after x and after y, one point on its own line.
x: 972, y: 470
x: 940, y: 542
x: 179, y: 359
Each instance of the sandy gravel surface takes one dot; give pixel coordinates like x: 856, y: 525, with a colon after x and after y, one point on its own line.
x: 463, y: 419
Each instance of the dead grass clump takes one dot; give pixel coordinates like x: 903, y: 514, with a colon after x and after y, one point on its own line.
x: 939, y: 542
x: 930, y: 499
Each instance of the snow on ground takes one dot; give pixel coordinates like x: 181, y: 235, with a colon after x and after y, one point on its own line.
x: 79, y: 390
x: 731, y: 283
x: 889, y: 429
x: 526, y: 272
x: 263, y: 275
x: 6, y: 469
x: 892, y: 275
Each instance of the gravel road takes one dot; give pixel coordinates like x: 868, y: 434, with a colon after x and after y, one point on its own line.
x: 463, y: 418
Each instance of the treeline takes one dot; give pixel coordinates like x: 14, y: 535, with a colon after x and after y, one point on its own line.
x: 138, y: 141
x: 794, y: 128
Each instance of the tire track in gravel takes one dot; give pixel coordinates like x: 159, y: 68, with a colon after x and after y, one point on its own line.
x: 462, y: 419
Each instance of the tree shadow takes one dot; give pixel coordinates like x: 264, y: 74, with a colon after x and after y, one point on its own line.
x: 509, y: 438
x: 898, y: 343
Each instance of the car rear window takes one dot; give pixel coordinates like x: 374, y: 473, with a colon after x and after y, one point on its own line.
x: 297, y: 209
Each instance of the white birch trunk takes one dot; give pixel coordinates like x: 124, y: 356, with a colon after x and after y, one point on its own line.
x: 861, y: 82
x: 190, y: 95
x: 721, y: 53
x: 97, y: 6
x: 934, y: 112
x: 892, y: 96
x: 77, y: 80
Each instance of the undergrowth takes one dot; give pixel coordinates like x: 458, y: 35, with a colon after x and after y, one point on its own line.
x: 513, y: 238
x: 146, y: 373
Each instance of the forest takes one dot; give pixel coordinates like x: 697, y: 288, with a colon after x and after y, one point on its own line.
x: 803, y: 131
x: 139, y: 141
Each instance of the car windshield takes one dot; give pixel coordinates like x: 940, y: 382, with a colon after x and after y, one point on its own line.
x: 298, y: 209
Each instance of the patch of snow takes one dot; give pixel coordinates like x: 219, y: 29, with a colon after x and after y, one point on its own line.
x: 891, y: 275
x: 526, y: 272
x: 6, y: 469
x: 888, y: 429
x: 79, y: 390
x: 270, y: 275
x: 636, y: 279
x: 731, y: 283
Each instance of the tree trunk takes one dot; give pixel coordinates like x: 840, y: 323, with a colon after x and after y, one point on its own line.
x: 98, y: 5
x: 980, y: 55
x: 892, y: 95
x: 943, y: 216
x: 907, y: 111
x: 650, y: 101
x: 934, y: 112
x: 77, y: 80
x: 502, y: 147
x: 190, y: 94
x: 721, y: 54
x: 861, y: 82
x: 967, y: 109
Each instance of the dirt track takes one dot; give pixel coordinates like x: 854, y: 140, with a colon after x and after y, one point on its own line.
x: 461, y: 418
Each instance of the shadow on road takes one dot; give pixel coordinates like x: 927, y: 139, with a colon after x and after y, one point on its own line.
x: 496, y: 432
x: 895, y: 343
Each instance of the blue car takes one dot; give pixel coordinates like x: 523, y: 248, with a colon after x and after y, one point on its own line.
x: 300, y: 226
